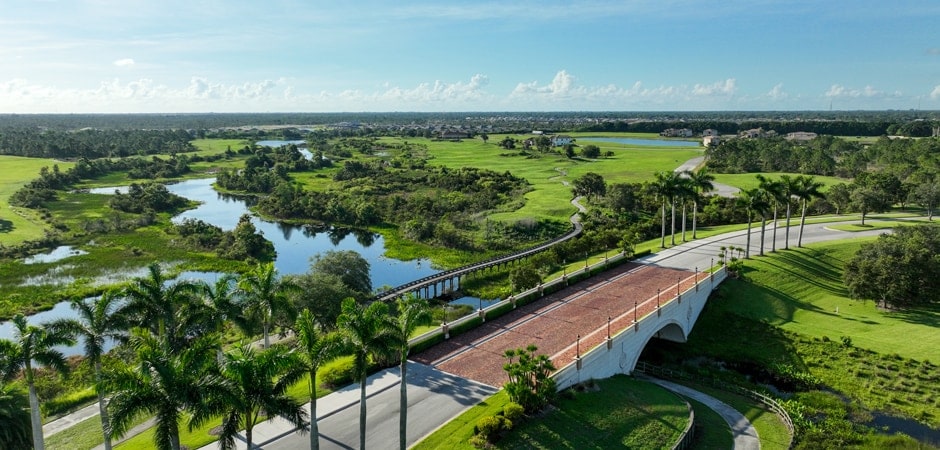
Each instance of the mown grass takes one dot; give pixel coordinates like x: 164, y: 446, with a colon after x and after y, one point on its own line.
x: 749, y: 180
x: 621, y: 412
x: 873, y: 225
x: 771, y: 430
x: 206, y: 147
x: 20, y: 224
x: 801, y: 290
x: 711, y: 430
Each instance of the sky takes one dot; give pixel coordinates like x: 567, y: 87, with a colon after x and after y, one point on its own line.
x: 155, y: 56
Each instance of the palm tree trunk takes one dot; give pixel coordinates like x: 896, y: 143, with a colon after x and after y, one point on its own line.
x: 683, y: 220
x: 267, y: 339
x: 35, y: 418
x: 403, y: 407
x: 663, y: 235
x: 763, y: 226
x: 694, y: 218
x: 773, y: 244
x: 673, y: 233
x: 314, y: 427
x: 799, y: 241
x: 103, y: 408
x: 362, y: 409
x: 747, y: 248
x: 786, y: 245
x: 175, y: 438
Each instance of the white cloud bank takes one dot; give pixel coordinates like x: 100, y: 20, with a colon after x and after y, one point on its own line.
x: 126, y: 62
x: 562, y: 93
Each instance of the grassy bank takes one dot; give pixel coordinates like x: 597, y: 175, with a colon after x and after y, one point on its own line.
x: 618, y: 412
x: 790, y: 323
x: 20, y: 224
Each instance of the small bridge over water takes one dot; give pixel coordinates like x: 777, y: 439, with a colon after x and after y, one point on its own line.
x: 449, y: 280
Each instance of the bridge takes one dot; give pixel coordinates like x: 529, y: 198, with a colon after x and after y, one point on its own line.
x: 449, y: 280
x: 594, y: 328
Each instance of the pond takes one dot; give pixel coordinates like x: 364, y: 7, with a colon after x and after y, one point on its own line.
x: 294, y: 244
x: 643, y: 142
x: 57, y: 254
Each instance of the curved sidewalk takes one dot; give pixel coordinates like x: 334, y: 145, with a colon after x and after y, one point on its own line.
x: 745, y: 435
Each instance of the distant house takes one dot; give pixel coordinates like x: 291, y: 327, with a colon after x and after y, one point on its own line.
x: 561, y: 140
x: 755, y: 133
x: 710, y: 132
x: 708, y: 141
x: 451, y: 135
x: 800, y: 136
x: 674, y: 132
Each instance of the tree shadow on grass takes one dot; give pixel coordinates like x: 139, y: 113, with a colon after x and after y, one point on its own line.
x: 922, y: 315
x: 6, y: 226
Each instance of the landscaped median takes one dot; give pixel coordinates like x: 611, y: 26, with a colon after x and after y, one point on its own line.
x: 613, y: 413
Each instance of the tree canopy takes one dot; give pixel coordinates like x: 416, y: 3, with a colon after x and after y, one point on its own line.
x: 898, y: 270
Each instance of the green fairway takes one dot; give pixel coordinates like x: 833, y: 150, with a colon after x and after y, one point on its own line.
x: 749, y: 180
x: 21, y: 224
x: 801, y: 290
x: 548, y: 173
x: 215, y: 146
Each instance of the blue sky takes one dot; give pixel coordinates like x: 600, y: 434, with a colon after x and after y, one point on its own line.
x: 633, y: 55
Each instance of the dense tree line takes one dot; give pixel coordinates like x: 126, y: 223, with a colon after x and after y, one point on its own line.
x: 242, y: 243
x: 41, y: 142
x: 143, y: 197
x: 823, y: 155
x: 898, y: 270
x: 35, y: 193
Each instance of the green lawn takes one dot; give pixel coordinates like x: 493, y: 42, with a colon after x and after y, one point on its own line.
x: 801, y: 290
x: 549, y: 198
x: 21, y: 224
x: 620, y: 412
x: 749, y: 180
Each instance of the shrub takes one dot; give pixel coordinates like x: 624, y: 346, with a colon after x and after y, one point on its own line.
x: 340, y: 373
x: 513, y: 411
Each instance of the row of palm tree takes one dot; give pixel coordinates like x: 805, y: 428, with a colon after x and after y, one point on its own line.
x: 681, y: 187
x: 772, y: 194
x: 181, y: 369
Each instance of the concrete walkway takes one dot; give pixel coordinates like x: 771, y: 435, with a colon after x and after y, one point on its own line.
x: 745, y: 435
x: 722, y: 190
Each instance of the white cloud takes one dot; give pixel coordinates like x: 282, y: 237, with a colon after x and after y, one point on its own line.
x: 936, y: 92
x: 723, y: 88
x: 777, y: 93
x: 126, y: 62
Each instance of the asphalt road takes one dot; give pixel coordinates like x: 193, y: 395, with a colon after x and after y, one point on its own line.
x: 434, y: 397
x: 702, y: 253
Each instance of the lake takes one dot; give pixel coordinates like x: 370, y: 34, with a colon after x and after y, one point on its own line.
x: 295, y: 245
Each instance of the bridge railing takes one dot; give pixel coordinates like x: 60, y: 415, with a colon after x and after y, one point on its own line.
x: 497, y: 309
x: 451, y: 273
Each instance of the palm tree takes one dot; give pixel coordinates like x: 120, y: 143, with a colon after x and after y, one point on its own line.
x: 166, y: 309
x: 35, y: 343
x: 753, y: 202
x: 266, y: 295
x: 313, y: 349
x: 684, y: 193
x: 14, y: 415
x: 221, y: 307
x: 413, y: 312
x: 164, y: 384
x: 97, y: 321
x: 776, y: 195
x: 665, y: 187
x: 368, y: 333
x: 807, y: 189
x: 253, y: 388
x: 788, y: 188
x: 701, y: 182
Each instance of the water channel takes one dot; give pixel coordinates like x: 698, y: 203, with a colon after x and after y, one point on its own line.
x: 295, y: 245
